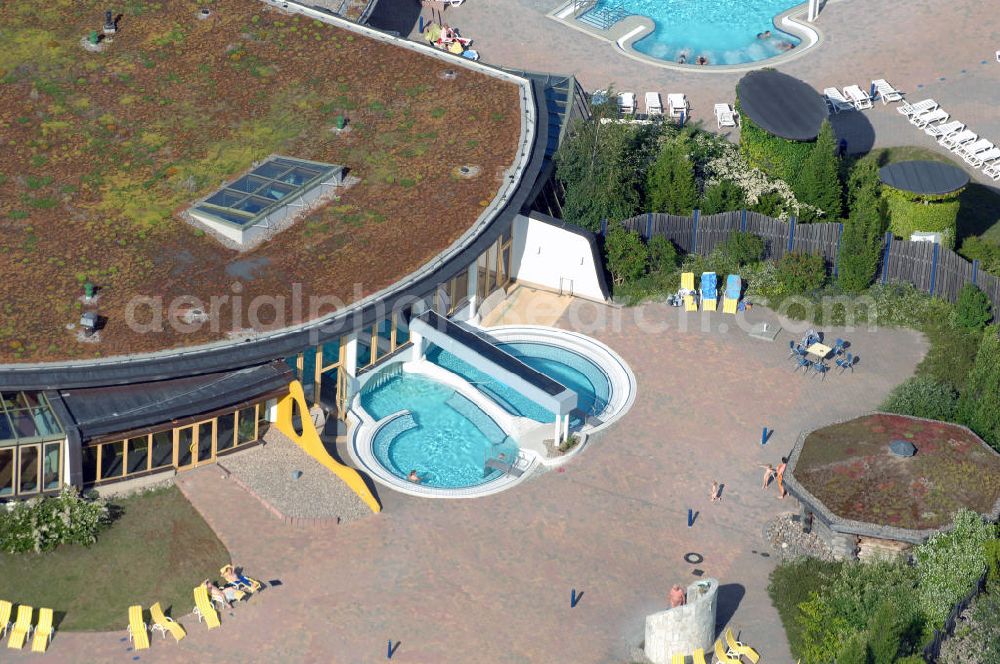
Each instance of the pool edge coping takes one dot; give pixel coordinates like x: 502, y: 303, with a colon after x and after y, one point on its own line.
x: 636, y: 26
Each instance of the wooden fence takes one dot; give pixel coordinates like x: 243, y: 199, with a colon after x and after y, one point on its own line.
x: 933, y: 649
x: 928, y: 266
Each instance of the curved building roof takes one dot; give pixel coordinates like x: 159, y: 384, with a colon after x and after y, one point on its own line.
x: 781, y: 105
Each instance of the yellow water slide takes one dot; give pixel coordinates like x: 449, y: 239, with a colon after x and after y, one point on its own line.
x: 309, y: 441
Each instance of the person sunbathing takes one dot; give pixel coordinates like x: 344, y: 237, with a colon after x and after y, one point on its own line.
x: 219, y: 595
x: 239, y: 580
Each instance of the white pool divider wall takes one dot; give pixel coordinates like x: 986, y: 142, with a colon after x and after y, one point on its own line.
x: 470, y: 347
x: 555, y: 256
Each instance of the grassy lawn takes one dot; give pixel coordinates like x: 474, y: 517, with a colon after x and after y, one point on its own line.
x: 979, y: 213
x: 157, y: 551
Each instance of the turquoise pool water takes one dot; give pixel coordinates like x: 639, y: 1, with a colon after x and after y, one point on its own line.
x: 445, y: 447
x: 725, y: 32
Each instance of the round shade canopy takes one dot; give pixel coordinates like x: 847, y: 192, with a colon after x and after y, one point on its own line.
x: 781, y: 105
x: 924, y: 177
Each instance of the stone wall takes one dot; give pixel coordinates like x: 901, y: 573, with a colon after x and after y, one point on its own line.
x: 873, y: 548
x: 683, y: 629
x: 844, y: 547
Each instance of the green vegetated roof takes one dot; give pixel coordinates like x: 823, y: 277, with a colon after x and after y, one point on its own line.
x: 850, y: 469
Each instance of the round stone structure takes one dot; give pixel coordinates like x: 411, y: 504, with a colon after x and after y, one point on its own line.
x: 865, y: 500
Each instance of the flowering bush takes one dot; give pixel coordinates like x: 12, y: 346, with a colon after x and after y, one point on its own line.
x: 755, y: 183
x: 42, y: 524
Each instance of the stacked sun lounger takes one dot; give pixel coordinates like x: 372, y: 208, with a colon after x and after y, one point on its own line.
x: 709, y: 291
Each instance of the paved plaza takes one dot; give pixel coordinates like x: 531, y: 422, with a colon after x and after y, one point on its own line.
x: 489, y: 580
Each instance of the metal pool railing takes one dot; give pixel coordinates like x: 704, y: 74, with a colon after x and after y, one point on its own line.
x: 605, y: 17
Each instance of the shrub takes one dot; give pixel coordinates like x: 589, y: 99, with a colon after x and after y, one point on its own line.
x: 792, y: 583
x: 761, y: 280
x: 801, y: 273
x: 818, y: 181
x: 909, y: 213
x: 42, y: 524
x: 972, y: 310
x: 723, y: 196
x: 952, y: 352
x: 670, y: 181
x: 921, y: 396
x: 741, y: 249
x: 662, y: 255
x: 979, y: 405
x: 861, y: 242
x: 949, y: 564
x: 626, y: 254
x: 991, y: 551
x: 984, y: 251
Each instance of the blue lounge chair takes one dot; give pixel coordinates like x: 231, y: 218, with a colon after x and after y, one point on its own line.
x: 709, y: 291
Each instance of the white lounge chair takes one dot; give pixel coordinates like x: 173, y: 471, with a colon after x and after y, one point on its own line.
x: 909, y: 110
x: 930, y: 117
x: 886, y: 92
x: 993, y: 170
x: 725, y: 116
x: 626, y: 103
x: 945, y: 128
x: 677, y: 104
x: 859, y: 98
x: 953, y: 141
x: 982, y: 158
x: 836, y: 101
x: 654, y: 104
x: 969, y: 150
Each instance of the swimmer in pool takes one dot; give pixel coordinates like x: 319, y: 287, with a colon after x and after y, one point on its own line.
x: 413, y: 477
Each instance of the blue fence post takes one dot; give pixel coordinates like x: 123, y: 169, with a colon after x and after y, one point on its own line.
x: 694, y: 232
x: 836, y: 258
x: 975, y: 272
x: 885, y: 258
x: 934, y: 264
x: 791, y: 233
x: 743, y: 220
x: 604, y: 228
x: 649, y: 226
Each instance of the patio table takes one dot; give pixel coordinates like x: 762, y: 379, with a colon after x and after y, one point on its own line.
x: 819, y: 350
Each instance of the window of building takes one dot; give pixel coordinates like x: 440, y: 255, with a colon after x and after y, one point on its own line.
x: 7, y: 471
x: 137, y: 455
x: 28, y: 468
x: 162, y: 449
x: 246, y: 428
x: 112, y: 460
x: 225, y: 436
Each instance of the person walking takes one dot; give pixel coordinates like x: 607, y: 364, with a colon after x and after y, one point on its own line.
x: 716, y: 493
x: 779, y: 474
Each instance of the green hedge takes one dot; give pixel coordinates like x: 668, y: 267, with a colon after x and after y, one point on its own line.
x: 775, y: 156
x: 932, y: 214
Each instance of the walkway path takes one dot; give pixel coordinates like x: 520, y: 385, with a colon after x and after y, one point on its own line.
x: 489, y: 580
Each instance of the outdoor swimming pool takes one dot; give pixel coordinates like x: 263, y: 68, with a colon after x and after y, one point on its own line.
x: 446, y: 438
x: 724, y: 32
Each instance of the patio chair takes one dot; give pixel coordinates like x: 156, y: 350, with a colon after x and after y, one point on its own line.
x: 981, y: 158
x: 953, y: 141
x: 163, y: 624
x: 725, y: 116
x: 821, y: 369
x: 138, y: 634
x: 859, y: 98
x: 626, y: 103
x: 837, y: 101
x: 203, y: 608
x: 792, y: 351
x: 803, y: 363
x: 722, y: 655
x: 944, y: 129
x: 43, y: 631
x: 738, y: 650
x: 886, y: 92
x: 846, y: 363
x: 930, y: 117
x: 709, y: 291
x: 922, y: 106
x: 21, y: 629
x: 677, y: 104
x: 698, y: 656
x: 654, y: 104
x: 5, y: 611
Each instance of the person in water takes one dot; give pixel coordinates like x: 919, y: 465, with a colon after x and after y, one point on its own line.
x: 413, y: 477
x: 702, y: 60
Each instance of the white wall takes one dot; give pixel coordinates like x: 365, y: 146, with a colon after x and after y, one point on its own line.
x: 547, y: 255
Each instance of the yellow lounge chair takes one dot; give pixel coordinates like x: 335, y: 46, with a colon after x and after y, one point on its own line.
x: 721, y: 656
x: 740, y: 649
x: 21, y: 629
x: 137, y: 630
x: 163, y: 624
x: 5, y: 610
x: 698, y: 656
x: 677, y: 658
x: 687, y: 285
x: 43, y: 631
x: 203, y: 608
